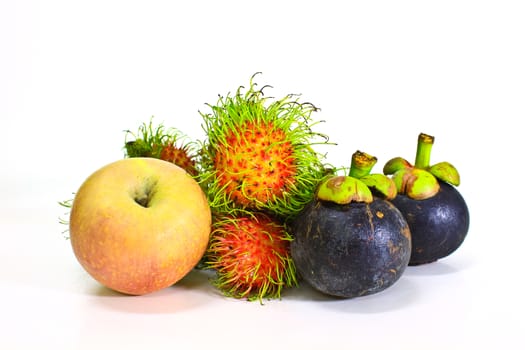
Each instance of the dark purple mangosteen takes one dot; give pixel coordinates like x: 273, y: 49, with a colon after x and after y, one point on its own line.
x: 436, y: 212
x: 350, y: 241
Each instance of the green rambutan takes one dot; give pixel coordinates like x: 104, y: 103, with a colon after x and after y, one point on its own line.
x: 158, y: 142
x: 251, y: 255
x: 258, y: 153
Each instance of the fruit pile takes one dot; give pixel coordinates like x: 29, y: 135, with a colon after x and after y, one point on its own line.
x: 276, y: 212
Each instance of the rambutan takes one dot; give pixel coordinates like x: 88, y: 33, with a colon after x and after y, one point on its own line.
x: 158, y: 142
x: 250, y: 254
x: 258, y: 153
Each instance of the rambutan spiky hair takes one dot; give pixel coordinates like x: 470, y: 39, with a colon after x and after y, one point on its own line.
x: 258, y: 153
x: 251, y: 256
x: 169, y: 144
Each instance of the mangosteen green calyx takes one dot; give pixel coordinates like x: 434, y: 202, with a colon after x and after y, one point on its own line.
x: 350, y: 241
x: 436, y: 212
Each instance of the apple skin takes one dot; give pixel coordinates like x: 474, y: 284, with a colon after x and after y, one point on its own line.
x: 139, y: 225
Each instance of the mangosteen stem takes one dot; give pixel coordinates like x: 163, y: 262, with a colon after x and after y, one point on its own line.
x: 359, y: 185
x: 424, y: 148
x: 362, y: 164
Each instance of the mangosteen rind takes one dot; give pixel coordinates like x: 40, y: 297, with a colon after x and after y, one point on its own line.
x: 438, y: 225
x: 350, y: 250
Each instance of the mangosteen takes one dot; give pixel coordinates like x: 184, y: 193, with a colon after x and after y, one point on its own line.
x: 350, y: 240
x: 427, y: 197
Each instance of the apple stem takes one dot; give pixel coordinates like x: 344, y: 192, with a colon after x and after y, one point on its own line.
x: 145, y: 193
x: 424, y: 148
x: 362, y: 164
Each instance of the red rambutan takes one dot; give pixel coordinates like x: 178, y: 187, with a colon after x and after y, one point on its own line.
x: 251, y: 256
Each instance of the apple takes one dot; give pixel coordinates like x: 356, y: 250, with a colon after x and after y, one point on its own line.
x: 139, y: 225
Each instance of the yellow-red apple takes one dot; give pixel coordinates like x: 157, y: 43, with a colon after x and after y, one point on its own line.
x: 138, y: 225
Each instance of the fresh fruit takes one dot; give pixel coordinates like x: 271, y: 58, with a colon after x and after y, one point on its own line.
x: 138, y: 225
x: 350, y: 241
x: 250, y: 254
x: 258, y: 155
x: 436, y: 212
x: 170, y: 145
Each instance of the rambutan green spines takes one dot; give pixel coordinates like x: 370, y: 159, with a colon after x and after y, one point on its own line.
x: 167, y: 144
x: 251, y: 255
x: 258, y: 154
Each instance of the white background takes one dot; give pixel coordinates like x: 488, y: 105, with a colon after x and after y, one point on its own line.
x: 74, y: 75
